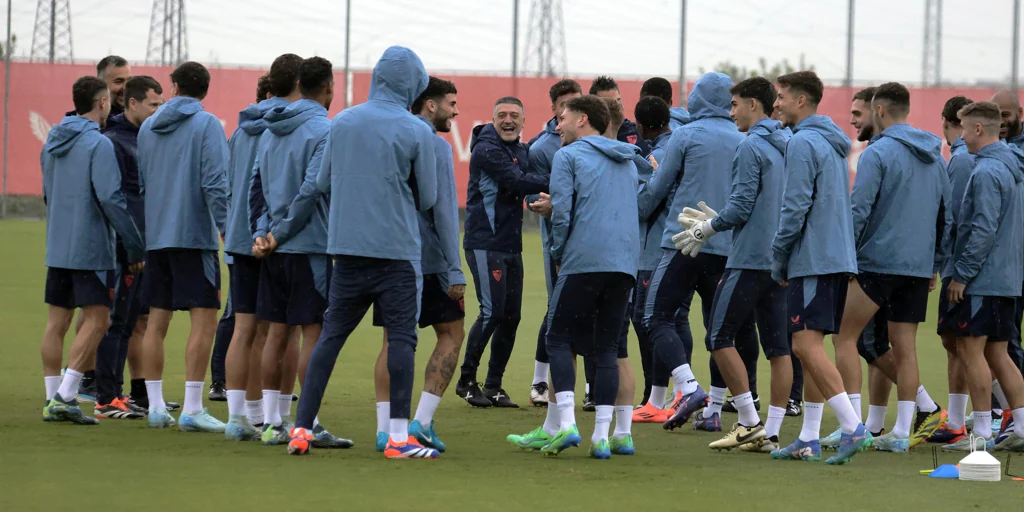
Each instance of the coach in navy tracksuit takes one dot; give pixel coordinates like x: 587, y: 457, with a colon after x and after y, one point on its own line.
x: 143, y: 96
x: 494, y: 244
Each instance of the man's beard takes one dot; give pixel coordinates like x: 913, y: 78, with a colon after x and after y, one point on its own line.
x: 866, y: 133
x: 442, y: 125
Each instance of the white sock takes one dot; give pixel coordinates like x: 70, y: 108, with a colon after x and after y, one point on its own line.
x: 426, y: 408
x: 68, y: 388
x: 983, y: 424
x: 745, y: 408
x: 566, y: 409
x: 236, y: 402
x: 904, y: 419
x: 383, y: 416
x: 1018, y: 421
x: 193, y: 398
x: 811, y: 429
x: 657, y: 398
x: 623, y: 420
x: 843, y: 409
x: 957, y: 411
x: 587, y: 388
x: 552, y: 422
x: 540, y: 372
x: 876, y: 418
x: 997, y: 390
x: 924, y: 401
x: 316, y: 421
x: 52, y: 384
x: 602, y: 423
x: 254, y: 411
x: 155, y: 392
x: 774, y: 424
x: 855, y: 401
x: 398, y: 429
x: 284, y: 405
x: 272, y: 411
x: 684, y: 379
x: 717, y: 399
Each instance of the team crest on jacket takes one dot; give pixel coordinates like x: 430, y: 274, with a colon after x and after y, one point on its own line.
x: 129, y: 279
x: 631, y: 139
x: 496, y: 274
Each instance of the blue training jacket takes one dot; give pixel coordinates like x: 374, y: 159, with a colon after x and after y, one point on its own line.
x: 82, y: 192
x: 439, y: 226
x: 594, y: 212
x: 815, y: 234
x: 698, y: 161
x: 677, y: 117
x: 753, y: 209
x: 291, y: 150
x: 542, y: 152
x: 183, y: 158
x: 379, y: 167
x: 989, y: 253
x: 961, y: 165
x: 901, y: 188
x: 653, y: 215
x: 498, y: 182
x: 242, y: 147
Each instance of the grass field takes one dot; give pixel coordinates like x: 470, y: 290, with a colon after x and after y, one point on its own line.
x: 125, y: 465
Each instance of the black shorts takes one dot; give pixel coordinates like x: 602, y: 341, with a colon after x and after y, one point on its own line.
x: 874, y: 341
x: 816, y: 303
x: 587, y: 311
x: 70, y: 289
x: 436, y: 307
x: 293, y: 288
x: 903, y: 298
x: 245, y: 283
x: 182, y: 279
x: 744, y: 296
x: 945, y: 323
x: 978, y: 315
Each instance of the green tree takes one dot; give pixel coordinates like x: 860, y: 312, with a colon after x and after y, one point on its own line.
x: 739, y: 73
x: 14, y: 46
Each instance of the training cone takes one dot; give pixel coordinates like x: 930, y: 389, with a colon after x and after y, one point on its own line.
x: 979, y: 466
x: 945, y: 471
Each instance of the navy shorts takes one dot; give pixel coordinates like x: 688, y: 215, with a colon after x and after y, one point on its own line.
x: 945, y: 324
x: 903, y: 298
x: 816, y: 303
x: 70, y: 289
x: 293, y: 288
x: 624, y: 333
x: 874, y: 341
x: 436, y: 306
x: 182, y: 279
x: 978, y: 315
x: 745, y: 295
x: 588, y: 310
x: 245, y: 283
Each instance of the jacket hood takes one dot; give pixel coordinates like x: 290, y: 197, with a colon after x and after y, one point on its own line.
x: 923, y: 145
x: 679, y: 114
x: 772, y: 131
x: 251, y: 120
x: 176, y: 111
x: 63, y: 136
x: 285, y: 119
x: 398, y: 77
x: 486, y: 132
x: 828, y: 129
x: 552, y: 126
x: 617, y: 151
x: 957, y: 144
x: 120, y: 123
x: 710, y: 97
x: 429, y: 123
x: 1010, y: 156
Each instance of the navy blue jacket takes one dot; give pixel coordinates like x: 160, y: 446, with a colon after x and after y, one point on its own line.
x: 629, y: 135
x: 125, y: 137
x: 498, y: 182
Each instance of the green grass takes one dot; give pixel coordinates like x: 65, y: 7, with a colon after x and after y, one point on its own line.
x: 125, y: 465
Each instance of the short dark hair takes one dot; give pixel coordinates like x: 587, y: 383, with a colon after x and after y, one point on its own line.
x: 262, y: 87
x: 284, y: 73
x: 314, y: 73
x: 110, y: 61
x: 896, y: 95
x: 652, y: 112
x: 865, y: 94
x: 436, y: 90
x: 985, y: 111
x: 137, y: 87
x: 594, y: 108
x: 758, y: 88
x: 509, y: 100
x: 563, y: 87
x: 192, y: 79
x: 85, y: 91
x: 952, y: 107
x: 805, y: 82
x: 616, y: 115
x: 659, y: 87
x: 603, y: 83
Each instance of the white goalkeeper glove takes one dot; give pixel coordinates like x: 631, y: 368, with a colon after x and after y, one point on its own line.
x: 698, y: 222
x: 687, y: 244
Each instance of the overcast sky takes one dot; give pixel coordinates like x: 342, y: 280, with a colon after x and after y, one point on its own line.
x: 624, y: 38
